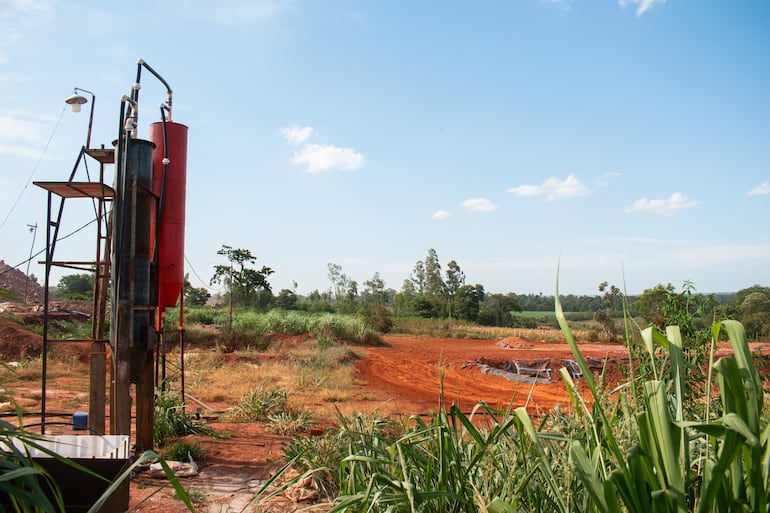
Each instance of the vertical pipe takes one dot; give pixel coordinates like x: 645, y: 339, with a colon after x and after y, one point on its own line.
x: 46, y: 298
x: 181, y: 344
x: 162, y: 361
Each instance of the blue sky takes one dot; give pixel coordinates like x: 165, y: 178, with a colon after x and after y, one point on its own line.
x: 629, y: 138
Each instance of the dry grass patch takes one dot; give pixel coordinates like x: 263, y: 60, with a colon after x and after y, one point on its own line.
x: 310, y: 375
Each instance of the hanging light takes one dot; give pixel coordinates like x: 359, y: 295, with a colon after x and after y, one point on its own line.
x: 76, y: 101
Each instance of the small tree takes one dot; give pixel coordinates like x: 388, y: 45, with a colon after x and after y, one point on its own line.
x: 286, y: 300
x: 76, y: 286
x: 242, y: 282
x: 603, y: 316
x: 194, y: 296
x: 455, y: 278
x: 468, y: 301
x: 374, y: 291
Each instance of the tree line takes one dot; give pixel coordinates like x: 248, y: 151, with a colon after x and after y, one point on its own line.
x: 434, y: 291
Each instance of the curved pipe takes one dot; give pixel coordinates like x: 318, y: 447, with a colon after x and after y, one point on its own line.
x: 139, y: 64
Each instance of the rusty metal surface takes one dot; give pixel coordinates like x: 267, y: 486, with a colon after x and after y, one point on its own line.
x: 78, y: 189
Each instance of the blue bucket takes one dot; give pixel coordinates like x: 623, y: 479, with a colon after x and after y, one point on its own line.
x: 79, y: 421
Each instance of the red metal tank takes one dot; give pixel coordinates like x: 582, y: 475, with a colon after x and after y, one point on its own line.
x: 172, y: 214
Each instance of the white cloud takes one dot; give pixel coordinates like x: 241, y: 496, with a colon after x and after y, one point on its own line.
x: 440, y: 214
x: 666, y: 207
x: 642, y: 6
x: 553, y: 189
x: 319, y: 157
x: 763, y: 188
x: 478, y: 205
x: 22, y: 128
x: 295, y: 134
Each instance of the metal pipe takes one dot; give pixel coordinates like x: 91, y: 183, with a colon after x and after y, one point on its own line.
x: 141, y: 63
x: 181, y: 343
x: 46, y: 298
x: 91, y: 116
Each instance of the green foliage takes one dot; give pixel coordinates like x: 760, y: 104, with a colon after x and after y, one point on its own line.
x: 751, y: 306
x: 240, y: 280
x: 345, y: 289
x: 172, y: 422
x: 604, y: 316
x: 316, y: 302
x: 662, y: 306
x: 8, y: 294
x: 377, y: 317
x: 286, y: 300
x: 200, y: 315
x: 290, y: 422
x: 375, y: 293
x: 194, y: 296
x: 25, y: 485
x: 677, y: 464
x: 258, y: 405
x: 76, y: 286
x: 648, y: 450
x: 467, y: 302
x: 496, y: 310
x: 182, y: 450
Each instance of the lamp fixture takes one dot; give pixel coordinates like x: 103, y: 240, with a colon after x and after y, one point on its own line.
x: 75, y: 100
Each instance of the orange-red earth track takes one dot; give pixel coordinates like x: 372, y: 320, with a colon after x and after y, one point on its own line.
x: 408, y: 372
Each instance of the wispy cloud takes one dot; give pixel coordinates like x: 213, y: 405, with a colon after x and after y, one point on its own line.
x: 20, y: 14
x: 440, y: 214
x: 642, y: 6
x: 606, y: 178
x: 320, y: 157
x: 22, y: 128
x: 553, y: 189
x: 763, y: 188
x: 665, y: 207
x: 478, y: 205
x: 295, y: 134
x: 27, y: 12
x: 19, y: 151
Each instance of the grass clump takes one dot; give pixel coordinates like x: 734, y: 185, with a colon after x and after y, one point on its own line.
x: 272, y: 407
x: 182, y: 450
x: 172, y: 422
x: 258, y: 405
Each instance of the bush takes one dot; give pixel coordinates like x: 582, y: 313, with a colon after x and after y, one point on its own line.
x: 258, y: 405
x: 172, y: 422
x: 185, y: 451
x: 378, y: 317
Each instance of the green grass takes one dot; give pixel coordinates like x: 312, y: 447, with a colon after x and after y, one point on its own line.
x: 645, y: 448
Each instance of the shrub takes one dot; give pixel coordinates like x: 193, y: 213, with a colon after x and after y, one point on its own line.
x: 378, y: 317
x: 185, y: 451
x: 172, y: 422
x: 258, y: 405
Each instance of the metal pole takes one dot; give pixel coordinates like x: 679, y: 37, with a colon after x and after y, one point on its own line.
x: 48, y: 257
x: 33, y: 229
